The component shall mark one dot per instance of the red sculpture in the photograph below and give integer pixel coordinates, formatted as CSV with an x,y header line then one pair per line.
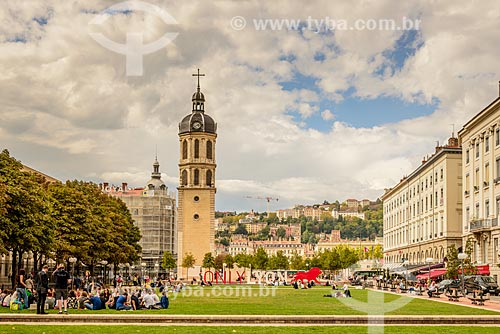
x,y
310,275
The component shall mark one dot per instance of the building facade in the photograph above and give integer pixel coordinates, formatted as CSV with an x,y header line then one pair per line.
x,y
196,191
153,211
423,212
480,139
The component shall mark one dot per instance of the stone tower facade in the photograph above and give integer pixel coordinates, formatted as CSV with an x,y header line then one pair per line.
x,y
196,191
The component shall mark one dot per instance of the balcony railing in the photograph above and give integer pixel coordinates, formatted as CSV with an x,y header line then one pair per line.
x,y
483,224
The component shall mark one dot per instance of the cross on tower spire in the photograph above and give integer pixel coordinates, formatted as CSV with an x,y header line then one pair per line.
x,y
198,75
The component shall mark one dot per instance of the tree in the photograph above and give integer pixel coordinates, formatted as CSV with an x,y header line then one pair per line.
x,y
26,222
469,268
281,232
241,229
296,262
278,261
188,262
168,262
208,261
219,261
243,260
453,263
260,259
229,261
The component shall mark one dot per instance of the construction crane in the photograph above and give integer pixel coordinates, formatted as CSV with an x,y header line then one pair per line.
x,y
267,198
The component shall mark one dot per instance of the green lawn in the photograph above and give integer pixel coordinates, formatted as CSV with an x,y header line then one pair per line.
x,y
288,301
91,329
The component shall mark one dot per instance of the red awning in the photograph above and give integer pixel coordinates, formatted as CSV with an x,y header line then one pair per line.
x,y
434,273
481,270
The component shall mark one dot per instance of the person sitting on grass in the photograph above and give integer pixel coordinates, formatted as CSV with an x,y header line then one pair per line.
x,y
82,300
94,303
122,302
72,300
164,302
151,300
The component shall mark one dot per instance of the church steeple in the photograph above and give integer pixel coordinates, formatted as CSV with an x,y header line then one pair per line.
x,y
198,97
156,170
156,183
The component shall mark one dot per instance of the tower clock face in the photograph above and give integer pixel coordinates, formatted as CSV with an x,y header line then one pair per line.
x,y
196,125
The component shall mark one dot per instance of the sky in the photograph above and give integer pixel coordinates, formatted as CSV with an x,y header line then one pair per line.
x,y
314,100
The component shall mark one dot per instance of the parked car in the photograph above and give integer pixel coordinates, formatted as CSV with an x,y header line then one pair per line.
x,y
487,284
448,284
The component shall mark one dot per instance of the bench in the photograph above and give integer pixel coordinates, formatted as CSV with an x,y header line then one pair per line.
x,y
436,294
454,295
478,298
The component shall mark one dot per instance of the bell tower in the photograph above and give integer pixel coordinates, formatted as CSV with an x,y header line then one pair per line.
x,y
196,191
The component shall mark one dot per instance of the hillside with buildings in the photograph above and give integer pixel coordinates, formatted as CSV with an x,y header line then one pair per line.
x,y
304,229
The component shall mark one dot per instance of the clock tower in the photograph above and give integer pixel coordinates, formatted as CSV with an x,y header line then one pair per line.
x,y
196,191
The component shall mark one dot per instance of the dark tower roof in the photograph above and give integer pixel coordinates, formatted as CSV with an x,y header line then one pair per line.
x,y
198,121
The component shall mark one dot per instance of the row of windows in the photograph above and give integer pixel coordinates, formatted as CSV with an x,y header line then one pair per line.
x,y
208,151
477,149
418,232
196,178
477,213
486,176
413,191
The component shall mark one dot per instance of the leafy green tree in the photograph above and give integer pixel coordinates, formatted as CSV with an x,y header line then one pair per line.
x,y
188,262
26,222
241,229
219,261
229,261
168,262
296,262
224,241
260,259
243,260
208,261
281,232
469,268
453,263
278,261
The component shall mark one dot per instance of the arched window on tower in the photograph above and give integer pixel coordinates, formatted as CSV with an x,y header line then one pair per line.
x,y
209,178
184,149
184,178
209,149
196,148
196,177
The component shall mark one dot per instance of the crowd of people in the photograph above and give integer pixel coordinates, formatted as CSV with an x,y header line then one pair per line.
x,y
67,292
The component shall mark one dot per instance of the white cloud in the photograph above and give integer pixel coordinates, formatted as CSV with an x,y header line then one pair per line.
x,y
69,109
327,115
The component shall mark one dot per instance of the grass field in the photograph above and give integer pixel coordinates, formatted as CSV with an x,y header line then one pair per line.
x,y
91,329
237,300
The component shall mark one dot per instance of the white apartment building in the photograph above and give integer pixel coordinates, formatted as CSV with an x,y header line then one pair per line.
x,y
423,212
480,140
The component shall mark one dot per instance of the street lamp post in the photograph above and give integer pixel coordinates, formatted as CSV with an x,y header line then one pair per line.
x,y
72,260
143,268
429,260
157,270
462,257
405,264
104,263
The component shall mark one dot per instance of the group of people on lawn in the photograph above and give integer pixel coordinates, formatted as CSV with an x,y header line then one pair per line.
x,y
92,297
